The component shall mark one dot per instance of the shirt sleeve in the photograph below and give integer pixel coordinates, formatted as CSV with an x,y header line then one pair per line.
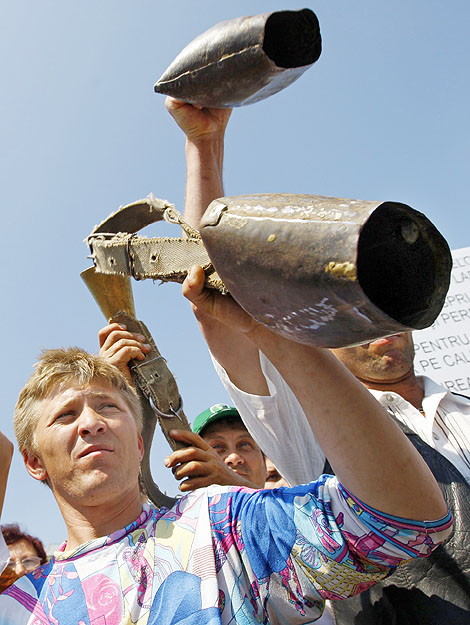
x,y
278,425
318,541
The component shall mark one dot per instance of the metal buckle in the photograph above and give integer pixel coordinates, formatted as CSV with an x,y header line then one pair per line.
x,y
173,412
103,236
130,256
108,236
140,365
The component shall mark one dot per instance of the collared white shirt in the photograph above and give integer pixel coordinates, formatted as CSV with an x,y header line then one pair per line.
x,y
445,425
279,426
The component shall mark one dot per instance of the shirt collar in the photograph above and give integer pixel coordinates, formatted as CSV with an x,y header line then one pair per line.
x,y
434,393
63,554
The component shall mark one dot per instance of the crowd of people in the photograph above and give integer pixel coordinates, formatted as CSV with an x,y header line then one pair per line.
x,y
337,477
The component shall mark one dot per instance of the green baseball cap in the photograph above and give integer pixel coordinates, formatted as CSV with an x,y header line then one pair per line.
x,y
214,413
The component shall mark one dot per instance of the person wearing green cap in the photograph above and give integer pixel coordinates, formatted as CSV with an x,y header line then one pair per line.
x,y
223,429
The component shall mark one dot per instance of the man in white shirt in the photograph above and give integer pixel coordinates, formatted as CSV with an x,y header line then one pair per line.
x,y
274,417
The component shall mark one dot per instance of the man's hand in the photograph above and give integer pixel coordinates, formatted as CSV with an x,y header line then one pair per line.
x,y
119,347
199,465
209,302
197,123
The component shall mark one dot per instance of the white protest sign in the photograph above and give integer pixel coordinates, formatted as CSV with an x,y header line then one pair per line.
x,y
443,350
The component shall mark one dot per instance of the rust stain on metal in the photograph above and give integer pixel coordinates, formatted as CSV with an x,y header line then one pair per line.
x,y
341,270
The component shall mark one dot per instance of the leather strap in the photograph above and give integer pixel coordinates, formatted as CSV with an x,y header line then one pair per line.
x,y
160,400
115,248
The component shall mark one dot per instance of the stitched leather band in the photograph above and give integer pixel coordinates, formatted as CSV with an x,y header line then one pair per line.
x,y
116,250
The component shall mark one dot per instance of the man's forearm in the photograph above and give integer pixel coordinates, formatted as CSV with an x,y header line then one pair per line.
x,y
205,131
204,181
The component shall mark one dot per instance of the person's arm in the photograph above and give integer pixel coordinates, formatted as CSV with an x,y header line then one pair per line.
x,y
369,454
205,131
6,453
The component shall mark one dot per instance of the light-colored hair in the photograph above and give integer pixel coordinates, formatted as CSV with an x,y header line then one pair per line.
x,y
56,369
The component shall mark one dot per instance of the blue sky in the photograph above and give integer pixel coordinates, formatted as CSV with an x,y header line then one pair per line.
x,y
383,115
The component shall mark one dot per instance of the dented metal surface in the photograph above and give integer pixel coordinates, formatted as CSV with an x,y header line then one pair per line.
x,y
244,60
328,271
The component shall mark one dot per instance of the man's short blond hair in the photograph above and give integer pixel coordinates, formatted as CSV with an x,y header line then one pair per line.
x,y
57,369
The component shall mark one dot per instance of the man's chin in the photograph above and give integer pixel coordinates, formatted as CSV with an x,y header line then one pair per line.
x,y
86,486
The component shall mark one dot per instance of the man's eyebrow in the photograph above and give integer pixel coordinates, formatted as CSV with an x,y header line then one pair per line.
x,y
246,435
94,394
102,395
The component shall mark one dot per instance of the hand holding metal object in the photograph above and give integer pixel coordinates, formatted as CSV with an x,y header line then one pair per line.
x,y
244,60
153,380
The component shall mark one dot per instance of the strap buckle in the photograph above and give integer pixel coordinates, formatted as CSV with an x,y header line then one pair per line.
x,y
172,413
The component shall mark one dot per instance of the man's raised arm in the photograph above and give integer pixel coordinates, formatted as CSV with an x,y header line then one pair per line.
x,y
205,131
369,454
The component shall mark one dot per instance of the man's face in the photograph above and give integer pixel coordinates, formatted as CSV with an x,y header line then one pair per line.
x,y
87,443
238,450
387,360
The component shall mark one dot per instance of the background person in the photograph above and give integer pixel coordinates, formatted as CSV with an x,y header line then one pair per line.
x,y
221,427
6,453
26,553
438,424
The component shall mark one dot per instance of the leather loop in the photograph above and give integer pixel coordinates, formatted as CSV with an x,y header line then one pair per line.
x,y
117,250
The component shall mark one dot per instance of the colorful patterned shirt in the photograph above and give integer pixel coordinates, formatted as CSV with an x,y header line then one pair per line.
x,y
224,555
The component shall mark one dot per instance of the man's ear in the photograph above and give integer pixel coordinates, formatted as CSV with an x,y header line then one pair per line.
x,y
34,466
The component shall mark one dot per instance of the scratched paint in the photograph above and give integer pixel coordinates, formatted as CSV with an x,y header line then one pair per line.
x,y
309,318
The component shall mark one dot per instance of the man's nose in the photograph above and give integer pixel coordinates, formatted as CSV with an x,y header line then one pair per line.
x,y
91,422
233,458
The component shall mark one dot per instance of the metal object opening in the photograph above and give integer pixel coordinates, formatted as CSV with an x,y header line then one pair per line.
x,y
403,264
292,38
